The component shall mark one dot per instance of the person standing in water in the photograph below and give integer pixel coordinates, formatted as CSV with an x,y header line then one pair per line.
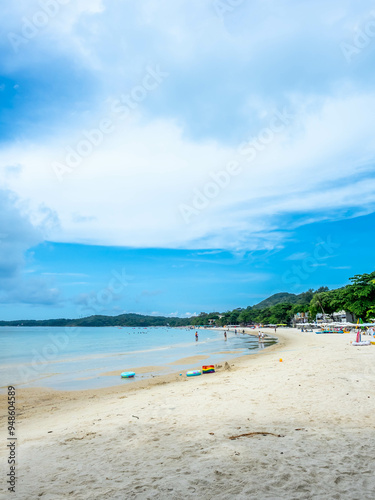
x,y
225,335
196,336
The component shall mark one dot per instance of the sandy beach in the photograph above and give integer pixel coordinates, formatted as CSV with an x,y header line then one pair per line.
x,y
307,426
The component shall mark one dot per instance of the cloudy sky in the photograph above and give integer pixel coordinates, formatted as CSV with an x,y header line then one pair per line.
x,y
172,157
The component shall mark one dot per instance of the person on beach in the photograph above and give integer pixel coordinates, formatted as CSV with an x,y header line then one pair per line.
x,y
196,336
225,335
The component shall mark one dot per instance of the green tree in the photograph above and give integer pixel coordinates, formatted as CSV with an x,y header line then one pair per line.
x,y
323,303
244,316
359,296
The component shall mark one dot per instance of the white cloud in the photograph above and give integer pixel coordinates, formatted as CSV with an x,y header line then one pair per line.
x,y
129,191
17,235
131,187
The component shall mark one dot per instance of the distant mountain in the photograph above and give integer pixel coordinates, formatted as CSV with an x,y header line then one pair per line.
x,y
277,298
130,319
287,298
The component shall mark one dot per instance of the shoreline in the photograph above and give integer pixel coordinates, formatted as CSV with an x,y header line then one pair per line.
x,y
153,371
36,395
306,424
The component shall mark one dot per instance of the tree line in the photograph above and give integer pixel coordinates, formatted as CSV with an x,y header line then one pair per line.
x,y
358,298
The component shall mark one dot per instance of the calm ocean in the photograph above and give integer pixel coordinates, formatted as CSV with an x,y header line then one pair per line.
x,y
78,358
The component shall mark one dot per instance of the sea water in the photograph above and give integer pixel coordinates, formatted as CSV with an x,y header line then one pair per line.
x,y
80,358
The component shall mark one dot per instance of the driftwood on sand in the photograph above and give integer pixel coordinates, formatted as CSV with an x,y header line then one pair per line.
x,y
251,434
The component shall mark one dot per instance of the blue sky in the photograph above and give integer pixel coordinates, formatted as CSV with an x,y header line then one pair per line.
x,y
212,154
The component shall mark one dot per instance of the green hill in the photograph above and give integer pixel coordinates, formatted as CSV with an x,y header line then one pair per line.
x,y
98,320
277,298
289,298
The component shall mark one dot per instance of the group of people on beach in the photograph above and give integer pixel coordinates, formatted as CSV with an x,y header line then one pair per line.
x,y
260,335
196,336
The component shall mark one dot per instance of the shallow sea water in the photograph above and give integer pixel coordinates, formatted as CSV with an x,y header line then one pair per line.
x,y
76,358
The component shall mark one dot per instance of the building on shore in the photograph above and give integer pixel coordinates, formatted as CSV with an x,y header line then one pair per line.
x,y
336,317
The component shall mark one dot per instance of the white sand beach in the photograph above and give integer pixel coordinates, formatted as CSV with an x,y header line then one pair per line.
x,y
309,422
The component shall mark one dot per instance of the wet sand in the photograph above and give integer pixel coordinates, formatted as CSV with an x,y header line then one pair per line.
x,y
191,360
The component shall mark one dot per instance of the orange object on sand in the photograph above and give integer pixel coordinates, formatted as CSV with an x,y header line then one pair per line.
x,y
280,360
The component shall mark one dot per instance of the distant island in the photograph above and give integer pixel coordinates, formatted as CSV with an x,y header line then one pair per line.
x,y
357,298
130,319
